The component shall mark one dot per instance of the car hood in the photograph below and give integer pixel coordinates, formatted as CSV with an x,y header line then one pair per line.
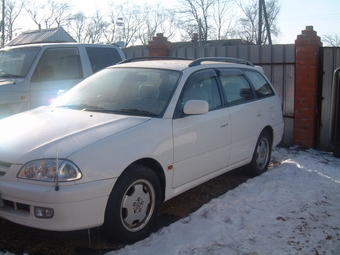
x,y
38,133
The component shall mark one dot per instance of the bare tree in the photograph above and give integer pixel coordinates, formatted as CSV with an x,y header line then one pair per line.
x,y
196,16
77,26
95,28
50,14
332,40
133,20
223,17
168,26
115,22
157,20
33,8
248,25
12,12
62,13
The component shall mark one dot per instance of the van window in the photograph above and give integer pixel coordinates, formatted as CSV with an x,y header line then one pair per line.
x,y
236,88
101,57
58,64
16,62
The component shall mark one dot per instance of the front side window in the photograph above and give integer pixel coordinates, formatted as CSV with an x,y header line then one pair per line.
x,y
58,64
132,91
16,62
201,85
261,85
236,88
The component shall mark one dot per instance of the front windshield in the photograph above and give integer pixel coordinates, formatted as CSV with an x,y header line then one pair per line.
x,y
135,91
16,62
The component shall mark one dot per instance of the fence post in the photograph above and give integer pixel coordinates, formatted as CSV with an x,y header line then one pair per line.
x,y
307,53
159,46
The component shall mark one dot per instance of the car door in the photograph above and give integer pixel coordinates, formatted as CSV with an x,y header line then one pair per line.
x,y
201,142
246,116
58,69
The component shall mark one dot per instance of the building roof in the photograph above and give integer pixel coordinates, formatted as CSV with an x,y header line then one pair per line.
x,y
42,36
213,43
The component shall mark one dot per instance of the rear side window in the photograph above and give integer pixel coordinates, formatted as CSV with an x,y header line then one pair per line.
x,y
101,57
58,64
261,85
236,88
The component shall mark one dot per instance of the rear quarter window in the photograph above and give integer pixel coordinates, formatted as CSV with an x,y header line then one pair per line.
x,y
101,57
261,85
236,88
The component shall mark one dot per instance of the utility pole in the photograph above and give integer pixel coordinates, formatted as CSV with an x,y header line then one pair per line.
x,y
259,38
199,32
262,6
3,25
267,23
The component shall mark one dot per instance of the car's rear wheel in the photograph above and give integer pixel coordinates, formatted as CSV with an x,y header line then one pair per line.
x,y
133,205
261,155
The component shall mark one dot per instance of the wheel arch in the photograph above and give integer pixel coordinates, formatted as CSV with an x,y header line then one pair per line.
x,y
270,131
156,167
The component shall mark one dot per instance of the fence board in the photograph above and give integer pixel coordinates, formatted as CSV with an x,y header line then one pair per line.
x,y
331,61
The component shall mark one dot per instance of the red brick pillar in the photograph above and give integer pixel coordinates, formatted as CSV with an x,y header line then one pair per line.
x,y
159,46
307,49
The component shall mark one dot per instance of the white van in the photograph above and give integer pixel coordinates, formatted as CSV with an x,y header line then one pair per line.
x,y
33,75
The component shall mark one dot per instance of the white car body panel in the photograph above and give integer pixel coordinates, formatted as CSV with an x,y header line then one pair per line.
x,y
66,129
197,138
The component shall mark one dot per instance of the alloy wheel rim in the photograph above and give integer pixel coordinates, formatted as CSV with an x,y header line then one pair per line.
x,y
262,153
137,206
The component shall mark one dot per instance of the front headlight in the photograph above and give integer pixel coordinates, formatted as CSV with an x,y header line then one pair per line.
x,y
45,170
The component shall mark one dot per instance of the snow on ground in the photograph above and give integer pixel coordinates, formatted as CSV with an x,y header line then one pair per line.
x,y
291,209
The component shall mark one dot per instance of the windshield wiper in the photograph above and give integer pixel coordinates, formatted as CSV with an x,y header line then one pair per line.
x,y
139,111
94,108
83,107
10,76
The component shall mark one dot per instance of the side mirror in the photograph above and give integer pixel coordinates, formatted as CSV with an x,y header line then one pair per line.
x,y
194,107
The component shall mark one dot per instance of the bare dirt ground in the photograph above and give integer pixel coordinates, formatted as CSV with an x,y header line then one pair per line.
x,y
18,239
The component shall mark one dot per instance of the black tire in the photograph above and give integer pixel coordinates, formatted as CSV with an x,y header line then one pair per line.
x,y
133,205
261,156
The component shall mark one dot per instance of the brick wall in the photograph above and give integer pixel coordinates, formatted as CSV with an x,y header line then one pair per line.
x,y
159,46
307,47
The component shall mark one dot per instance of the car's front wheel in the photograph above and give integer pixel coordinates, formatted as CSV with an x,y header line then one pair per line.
x,y
261,155
133,205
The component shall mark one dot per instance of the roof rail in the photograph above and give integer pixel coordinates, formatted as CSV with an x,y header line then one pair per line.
x,y
199,61
129,60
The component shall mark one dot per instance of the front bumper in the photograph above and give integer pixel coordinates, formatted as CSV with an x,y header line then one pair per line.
x,y
78,206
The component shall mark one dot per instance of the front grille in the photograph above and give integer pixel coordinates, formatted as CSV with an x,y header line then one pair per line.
x,y
17,206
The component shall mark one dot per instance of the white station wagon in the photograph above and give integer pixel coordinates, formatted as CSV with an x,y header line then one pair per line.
x,y
114,147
